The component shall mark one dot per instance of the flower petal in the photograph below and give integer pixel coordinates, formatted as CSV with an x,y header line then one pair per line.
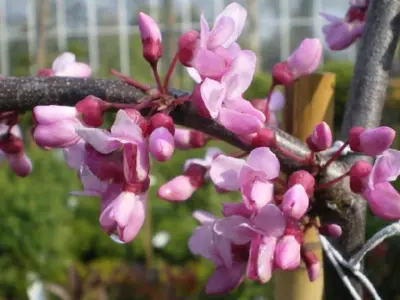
x,y
136,221
238,122
386,167
213,94
277,101
100,139
225,279
125,127
62,61
264,160
270,220
384,201
194,74
209,64
221,32
224,172
204,217
265,262
262,193
235,228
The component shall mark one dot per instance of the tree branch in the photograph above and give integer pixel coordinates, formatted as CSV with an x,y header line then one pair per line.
x,y
364,108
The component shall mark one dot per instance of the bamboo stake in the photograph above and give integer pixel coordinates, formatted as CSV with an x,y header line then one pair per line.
x,y
309,102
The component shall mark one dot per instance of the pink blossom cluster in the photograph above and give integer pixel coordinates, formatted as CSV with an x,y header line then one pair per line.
x,y
340,33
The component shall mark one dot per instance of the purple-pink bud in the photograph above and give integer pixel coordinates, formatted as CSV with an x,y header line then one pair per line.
x,y
264,138
11,144
321,138
295,202
332,230
178,189
161,120
20,163
161,144
188,139
187,46
151,38
281,74
303,178
45,72
375,141
287,253
196,173
260,104
354,138
359,172
57,135
305,59
92,109
312,263
198,102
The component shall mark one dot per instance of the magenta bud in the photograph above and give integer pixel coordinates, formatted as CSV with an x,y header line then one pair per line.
x,y
45,72
332,230
321,138
197,139
260,104
305,59
20,163
161,120
198,102
281,74
303,178
187,46
161,144
11,144
49,114
196,173
295,202
375,141
178,189
354,138
312,263
57,135
287,253
151,38
264,138
92,109
138,119
359,172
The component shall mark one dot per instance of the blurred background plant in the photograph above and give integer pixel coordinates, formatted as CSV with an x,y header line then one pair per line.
x,y
47,234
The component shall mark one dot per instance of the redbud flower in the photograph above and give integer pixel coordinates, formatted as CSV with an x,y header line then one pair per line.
x,y
187,45
188,139
287,253
359,173
161,120
161,144
65,65
151,38
332,230
91,109
303,178
303,61
321,138
371,141
295,202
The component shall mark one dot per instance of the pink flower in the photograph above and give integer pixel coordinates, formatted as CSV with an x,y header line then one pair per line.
x,y
125,134
217,47
321,137
187,139
92,186
183,186
295,202
341,33
382,197
213,240
253,177
161,144
303,61
223,100
66,65
56,126
287,253
151,38
124,213
371,141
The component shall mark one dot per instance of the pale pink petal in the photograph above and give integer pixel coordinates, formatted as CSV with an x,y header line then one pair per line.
x,y
48,114
100,139
384,201
142,162
148,28
376,141
225,279
125,205
224,172
262,193
211,154
75,155
240,74
287,253
76,69
234,49
125,127
57,135
306,58
92,186
179,188
243,106
238,15
239,209
265,261
209,64
239,123
264,160
295,202
194,74
221,32
204,217
136,221
161,144
235,228
270,220
62,61
277,101
204,31
213,94
251,270
386,167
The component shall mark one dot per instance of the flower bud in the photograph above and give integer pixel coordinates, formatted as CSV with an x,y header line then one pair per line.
x,y
375,141
303,178
354,138
20,163
332,230
11,144
264,138
92,109
321,138
45,72
161,144
312,263
48,114
151,38
281,74
178,189
359,172
57,135
161,120
295,202
187,46
287,253
305,59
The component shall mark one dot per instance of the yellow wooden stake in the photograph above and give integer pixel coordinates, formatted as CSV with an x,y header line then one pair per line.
x,y
309,101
